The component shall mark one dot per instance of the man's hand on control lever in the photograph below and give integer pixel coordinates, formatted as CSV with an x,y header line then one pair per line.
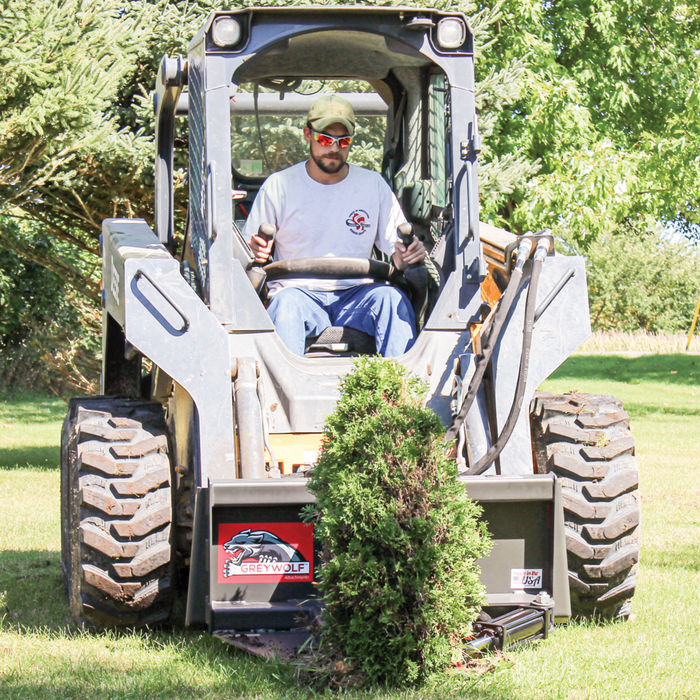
x,y
409,250
261,243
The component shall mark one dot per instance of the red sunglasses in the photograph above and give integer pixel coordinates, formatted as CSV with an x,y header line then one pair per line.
x,y
328,140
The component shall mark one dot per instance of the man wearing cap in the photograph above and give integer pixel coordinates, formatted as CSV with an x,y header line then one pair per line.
x,y
325,207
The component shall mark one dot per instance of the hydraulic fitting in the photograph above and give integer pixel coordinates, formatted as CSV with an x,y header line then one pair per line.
x,y
542,249
523,253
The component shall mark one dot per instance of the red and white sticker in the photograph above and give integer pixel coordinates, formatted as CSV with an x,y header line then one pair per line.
x,y
265,552
525,578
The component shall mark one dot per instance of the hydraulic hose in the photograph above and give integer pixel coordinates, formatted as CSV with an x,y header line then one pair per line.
x,y
489,342
530,309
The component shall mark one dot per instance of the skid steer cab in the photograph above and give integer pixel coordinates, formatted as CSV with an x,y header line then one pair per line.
x,y
188,472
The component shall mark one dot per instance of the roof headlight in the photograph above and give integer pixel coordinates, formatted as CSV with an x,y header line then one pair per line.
x,y
451,32
226,32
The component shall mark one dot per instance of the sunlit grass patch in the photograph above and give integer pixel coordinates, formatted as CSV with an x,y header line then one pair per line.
x,y
28,431
30,519
68,664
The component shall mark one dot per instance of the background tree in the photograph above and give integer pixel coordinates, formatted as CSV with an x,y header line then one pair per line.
x,y
607,109
61,66
639,279
49,333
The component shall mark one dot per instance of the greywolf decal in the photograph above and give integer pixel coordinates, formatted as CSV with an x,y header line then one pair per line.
x,y
262,552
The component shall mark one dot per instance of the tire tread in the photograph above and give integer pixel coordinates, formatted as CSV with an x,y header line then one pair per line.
x,y
116,500
586,441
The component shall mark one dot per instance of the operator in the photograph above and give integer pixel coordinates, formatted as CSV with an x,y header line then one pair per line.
x,y
325,207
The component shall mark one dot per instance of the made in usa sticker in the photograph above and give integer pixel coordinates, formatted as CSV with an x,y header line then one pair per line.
x,y
525,578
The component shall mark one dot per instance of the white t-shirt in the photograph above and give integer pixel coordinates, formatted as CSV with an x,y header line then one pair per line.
x,y
345,219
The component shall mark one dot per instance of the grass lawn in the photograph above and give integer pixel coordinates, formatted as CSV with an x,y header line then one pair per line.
x,y
654,655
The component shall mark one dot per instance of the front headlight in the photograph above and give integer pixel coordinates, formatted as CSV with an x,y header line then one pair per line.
x,y
226,32
451,32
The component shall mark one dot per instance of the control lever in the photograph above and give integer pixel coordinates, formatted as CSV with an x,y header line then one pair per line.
x,y
266,231
254,271
406,237
416,275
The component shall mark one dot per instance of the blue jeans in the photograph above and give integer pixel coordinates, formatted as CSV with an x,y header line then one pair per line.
x,y
382,311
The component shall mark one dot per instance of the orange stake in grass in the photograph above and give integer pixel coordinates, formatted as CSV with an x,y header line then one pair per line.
x,y
692,325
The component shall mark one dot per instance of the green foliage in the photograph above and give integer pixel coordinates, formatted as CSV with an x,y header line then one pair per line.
x,y
75,147
61,64
639,280
399,534
607,109
111,170
48,333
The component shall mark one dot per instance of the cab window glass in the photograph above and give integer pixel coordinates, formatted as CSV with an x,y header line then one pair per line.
x,y
274,139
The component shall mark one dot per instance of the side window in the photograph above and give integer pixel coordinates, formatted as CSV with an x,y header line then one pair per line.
x,y
437,134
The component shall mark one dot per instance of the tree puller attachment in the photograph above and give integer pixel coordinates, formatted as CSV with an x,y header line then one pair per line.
x,y
188,473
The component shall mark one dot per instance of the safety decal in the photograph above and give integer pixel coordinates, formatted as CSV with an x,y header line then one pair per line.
x,y
525,578
265,552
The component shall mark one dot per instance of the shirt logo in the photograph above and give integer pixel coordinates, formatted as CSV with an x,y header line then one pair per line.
x,y
358,222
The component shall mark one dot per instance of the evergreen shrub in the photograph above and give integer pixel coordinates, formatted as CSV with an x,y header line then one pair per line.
x,y
399,535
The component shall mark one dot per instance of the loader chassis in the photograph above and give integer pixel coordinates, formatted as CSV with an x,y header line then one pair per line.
x,y
227,515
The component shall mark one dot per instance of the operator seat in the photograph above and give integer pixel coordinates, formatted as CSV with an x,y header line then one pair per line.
x,y
343,341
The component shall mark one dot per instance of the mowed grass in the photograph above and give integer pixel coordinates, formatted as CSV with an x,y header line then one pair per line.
x,y
654,655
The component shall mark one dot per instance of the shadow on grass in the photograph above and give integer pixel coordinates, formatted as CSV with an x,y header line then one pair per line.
x,y
686,557
655,410
34,594
45,457
678,369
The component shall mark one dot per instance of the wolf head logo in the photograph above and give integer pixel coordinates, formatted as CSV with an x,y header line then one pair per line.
x,y
261,546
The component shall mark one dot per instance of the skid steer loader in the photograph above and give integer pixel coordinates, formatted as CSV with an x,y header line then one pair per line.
x,y
189,471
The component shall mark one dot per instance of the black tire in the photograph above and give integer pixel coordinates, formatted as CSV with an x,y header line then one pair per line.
x,y
586,441
116,513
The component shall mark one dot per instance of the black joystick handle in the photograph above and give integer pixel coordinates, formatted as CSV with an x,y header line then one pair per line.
x,y
405,232
416,275
266,231
406,236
